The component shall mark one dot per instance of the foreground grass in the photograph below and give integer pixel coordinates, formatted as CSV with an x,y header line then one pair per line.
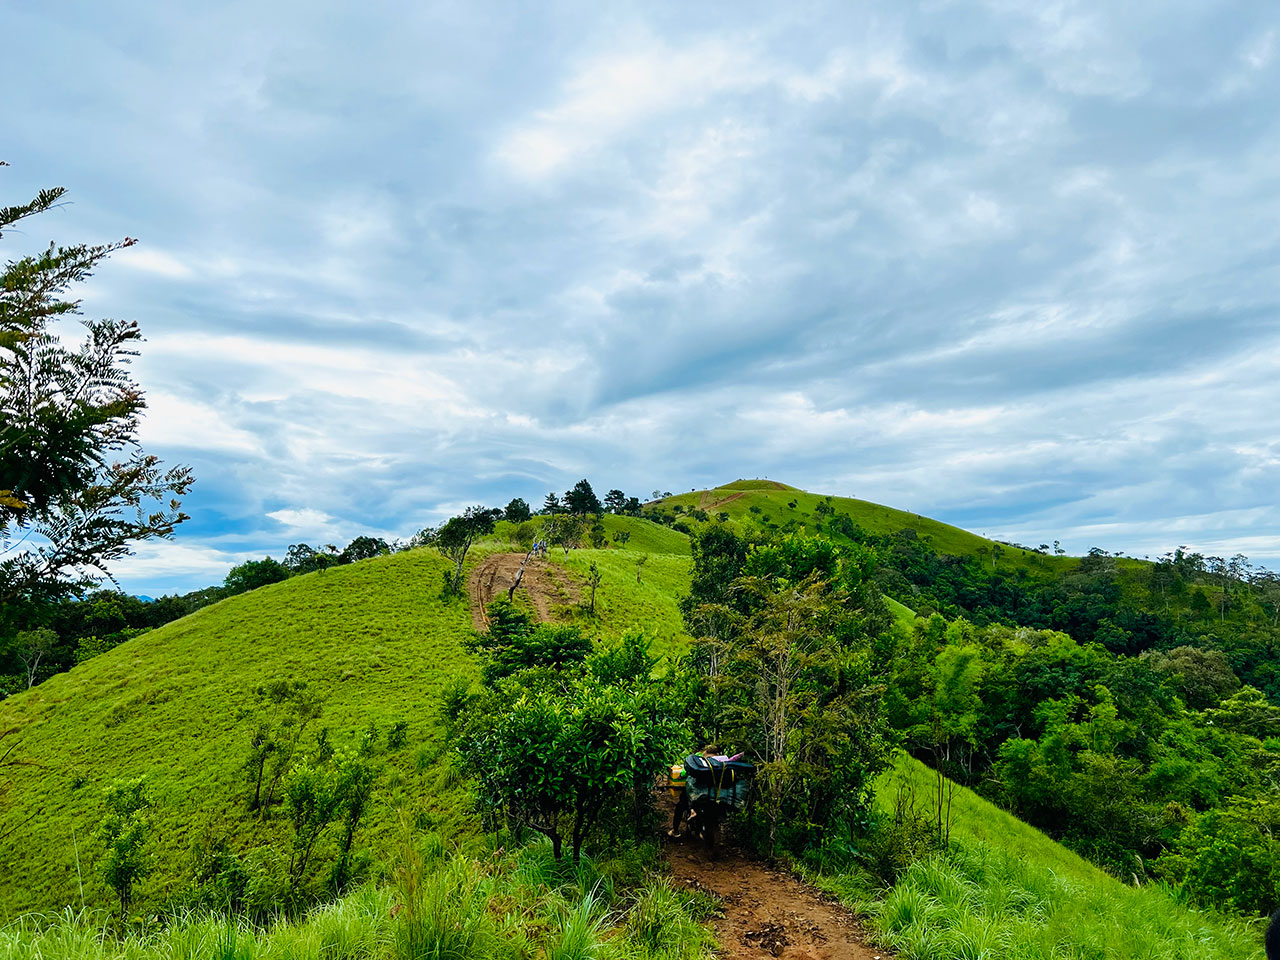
x,y
374,637
509,905
1005,891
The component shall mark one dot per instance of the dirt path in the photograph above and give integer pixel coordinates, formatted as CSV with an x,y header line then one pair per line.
x,y
544,585
767,912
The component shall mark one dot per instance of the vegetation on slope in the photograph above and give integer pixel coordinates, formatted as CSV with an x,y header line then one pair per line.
x,y
508,905
1004,891
177,705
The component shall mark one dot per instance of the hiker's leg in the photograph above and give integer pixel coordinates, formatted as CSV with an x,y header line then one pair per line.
x,y
682,810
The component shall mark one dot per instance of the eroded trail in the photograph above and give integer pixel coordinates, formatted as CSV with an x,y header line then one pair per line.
x,y
545,585
767,912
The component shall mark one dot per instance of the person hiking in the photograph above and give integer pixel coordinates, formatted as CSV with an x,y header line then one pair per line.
x,y
678,785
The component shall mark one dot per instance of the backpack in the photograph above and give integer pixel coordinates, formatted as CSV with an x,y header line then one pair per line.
x,y
725,781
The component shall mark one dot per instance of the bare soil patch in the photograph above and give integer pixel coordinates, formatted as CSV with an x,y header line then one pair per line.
x,y
767,912
544,586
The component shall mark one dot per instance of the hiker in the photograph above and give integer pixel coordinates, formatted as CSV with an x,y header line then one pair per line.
x,y
678,785
1273,937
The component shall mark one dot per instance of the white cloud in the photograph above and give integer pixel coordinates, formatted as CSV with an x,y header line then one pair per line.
x,y
304,518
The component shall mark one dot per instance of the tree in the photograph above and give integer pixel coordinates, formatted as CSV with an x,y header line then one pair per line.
x,y
593,581
632,507
363,548
615,501
622,538
551,505
558,758
598,535
72,472
517,511
124,832
582,500
566,532
32,647
253,574
455,538
304,558
285,709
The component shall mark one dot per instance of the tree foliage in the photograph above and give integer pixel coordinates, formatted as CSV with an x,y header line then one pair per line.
x,y
76,489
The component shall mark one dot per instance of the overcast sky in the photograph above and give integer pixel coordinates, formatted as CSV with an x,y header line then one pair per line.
x,y
1012,265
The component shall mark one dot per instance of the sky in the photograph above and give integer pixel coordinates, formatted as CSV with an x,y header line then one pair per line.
x,y
1014,266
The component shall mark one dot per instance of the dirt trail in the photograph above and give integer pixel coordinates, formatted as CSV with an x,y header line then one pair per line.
x,y
544,585
767,912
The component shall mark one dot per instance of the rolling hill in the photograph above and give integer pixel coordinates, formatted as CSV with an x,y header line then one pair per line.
x,y
375,637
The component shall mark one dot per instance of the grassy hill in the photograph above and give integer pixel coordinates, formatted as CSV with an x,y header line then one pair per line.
x,y
757,501
176,705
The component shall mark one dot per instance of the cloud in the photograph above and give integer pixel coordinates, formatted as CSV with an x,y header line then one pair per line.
x,y
1012,267
304,518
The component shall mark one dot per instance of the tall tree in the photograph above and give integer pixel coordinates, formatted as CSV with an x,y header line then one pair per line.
x,y
517,510
72,472
551,505
615,501
582,499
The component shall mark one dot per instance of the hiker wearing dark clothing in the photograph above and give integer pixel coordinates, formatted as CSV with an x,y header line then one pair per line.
x,y
1273,937
678,785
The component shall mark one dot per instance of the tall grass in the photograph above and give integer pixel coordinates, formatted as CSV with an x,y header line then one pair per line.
x,y
976,902
441,907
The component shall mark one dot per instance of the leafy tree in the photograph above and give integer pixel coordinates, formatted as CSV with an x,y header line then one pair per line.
x,y
76,490
622,538
32,649
517,511
513,642
253,574
787,631
364,548
582,500
615,501
124,832
285,709
632,508
355,776
566,532
303,558
455,538
597,534
559,758
551,505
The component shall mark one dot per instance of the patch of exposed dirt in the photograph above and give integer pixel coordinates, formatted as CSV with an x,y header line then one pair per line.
x,y
544,586
716,505
767,912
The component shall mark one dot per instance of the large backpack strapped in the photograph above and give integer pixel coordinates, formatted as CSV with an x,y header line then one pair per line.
x,y
724,781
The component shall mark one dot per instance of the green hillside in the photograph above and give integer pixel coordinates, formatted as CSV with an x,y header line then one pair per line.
x,y
759,501
174,704
1006,891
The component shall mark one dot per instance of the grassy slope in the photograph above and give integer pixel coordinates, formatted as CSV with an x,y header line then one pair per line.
x,y
621,603
374,636
1007,892
774,499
